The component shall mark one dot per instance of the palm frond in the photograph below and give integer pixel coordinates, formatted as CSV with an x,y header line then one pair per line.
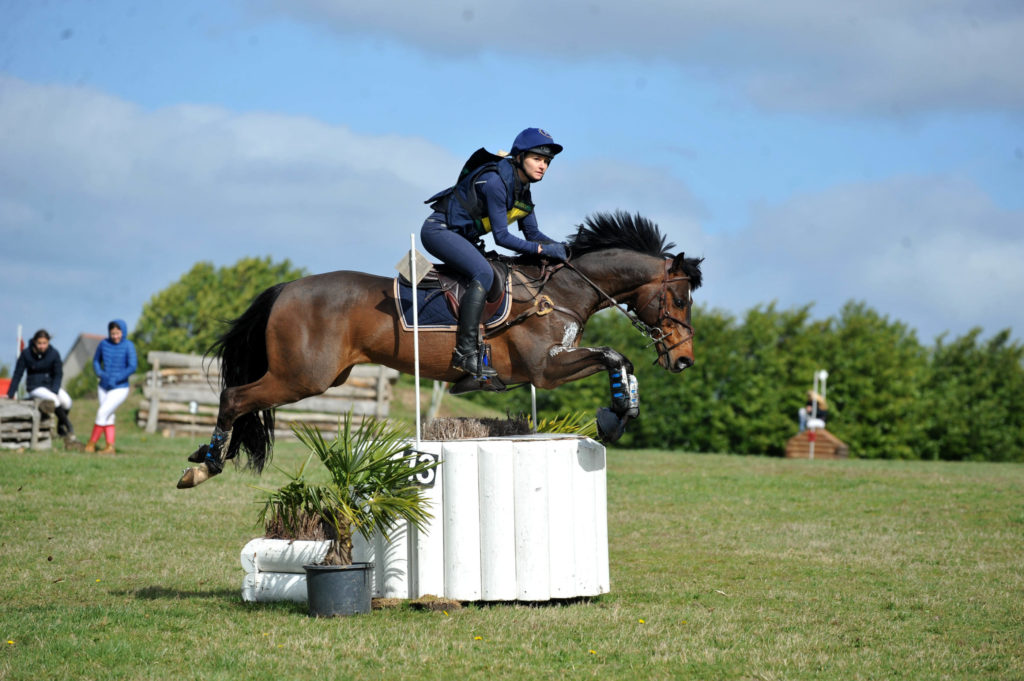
x,y
575,423
371,487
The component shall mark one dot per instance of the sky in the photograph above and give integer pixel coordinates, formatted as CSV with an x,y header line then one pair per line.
x,y
812,152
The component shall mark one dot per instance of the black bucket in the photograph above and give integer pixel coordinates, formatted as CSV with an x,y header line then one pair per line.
x,y
339,590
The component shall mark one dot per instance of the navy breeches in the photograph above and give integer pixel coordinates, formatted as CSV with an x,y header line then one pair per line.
x,y
454,249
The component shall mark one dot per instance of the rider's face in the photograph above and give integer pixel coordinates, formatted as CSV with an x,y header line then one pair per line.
x,y
534,166
116,335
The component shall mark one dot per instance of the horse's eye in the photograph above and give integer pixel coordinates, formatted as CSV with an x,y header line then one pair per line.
x,y
680,302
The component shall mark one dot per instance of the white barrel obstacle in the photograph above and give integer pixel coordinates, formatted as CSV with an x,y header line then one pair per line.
x,y
515,519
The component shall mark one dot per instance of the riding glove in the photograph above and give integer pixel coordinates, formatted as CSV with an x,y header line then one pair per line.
x,y
554,250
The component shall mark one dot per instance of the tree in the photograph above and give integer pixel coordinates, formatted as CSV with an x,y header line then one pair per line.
x,y
976,399
878,368
889,396
686,411
189,315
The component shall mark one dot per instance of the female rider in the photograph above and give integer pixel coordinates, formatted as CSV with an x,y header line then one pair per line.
x,y
487,199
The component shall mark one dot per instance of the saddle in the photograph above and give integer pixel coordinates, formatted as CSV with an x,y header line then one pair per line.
x,y
444,283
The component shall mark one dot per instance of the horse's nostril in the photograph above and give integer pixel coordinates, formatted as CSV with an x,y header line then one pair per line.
x,y
684,363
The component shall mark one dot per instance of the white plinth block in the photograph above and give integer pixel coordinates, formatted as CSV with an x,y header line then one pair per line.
x,y
521,518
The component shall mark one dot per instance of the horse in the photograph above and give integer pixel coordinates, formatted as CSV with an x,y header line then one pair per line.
x,y
299,338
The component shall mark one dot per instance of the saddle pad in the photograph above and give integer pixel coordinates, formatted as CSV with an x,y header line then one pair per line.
x,y
433,310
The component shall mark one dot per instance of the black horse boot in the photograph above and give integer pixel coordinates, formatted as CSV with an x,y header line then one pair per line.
x,y
467,342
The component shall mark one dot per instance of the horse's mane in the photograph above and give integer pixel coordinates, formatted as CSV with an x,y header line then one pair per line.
x,y
601,231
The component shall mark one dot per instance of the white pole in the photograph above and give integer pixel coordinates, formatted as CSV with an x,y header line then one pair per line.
x,y
415,331
533,399
812,435
814,401
17,355
820,388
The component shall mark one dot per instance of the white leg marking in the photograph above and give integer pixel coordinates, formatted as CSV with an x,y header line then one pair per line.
x,y
568,339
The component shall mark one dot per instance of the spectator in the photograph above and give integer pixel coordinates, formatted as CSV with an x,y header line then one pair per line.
x,y
808,417
44,372
114,362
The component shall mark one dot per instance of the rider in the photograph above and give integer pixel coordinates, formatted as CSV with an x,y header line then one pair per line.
x,y
487,199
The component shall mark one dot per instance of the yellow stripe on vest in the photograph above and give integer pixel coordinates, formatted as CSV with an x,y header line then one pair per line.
x,y
519,211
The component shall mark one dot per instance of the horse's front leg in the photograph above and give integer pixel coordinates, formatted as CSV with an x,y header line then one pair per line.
x,y
565,364
625,400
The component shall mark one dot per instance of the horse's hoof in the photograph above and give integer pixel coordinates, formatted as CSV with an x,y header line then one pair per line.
x,y
194,476
609,426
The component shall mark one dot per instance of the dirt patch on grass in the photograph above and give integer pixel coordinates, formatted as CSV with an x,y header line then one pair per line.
x,y
431,602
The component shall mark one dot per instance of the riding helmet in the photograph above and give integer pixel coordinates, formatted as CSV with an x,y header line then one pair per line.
x,y
537,141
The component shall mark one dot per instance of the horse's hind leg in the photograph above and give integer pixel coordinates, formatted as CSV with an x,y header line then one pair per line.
x,y
266,393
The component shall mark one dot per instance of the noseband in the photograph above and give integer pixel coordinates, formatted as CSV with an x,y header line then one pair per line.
x,y
656,333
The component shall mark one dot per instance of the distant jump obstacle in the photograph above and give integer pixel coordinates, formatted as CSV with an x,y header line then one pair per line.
x,y
826,445
816,442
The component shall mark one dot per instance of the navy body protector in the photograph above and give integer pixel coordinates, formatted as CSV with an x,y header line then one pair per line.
x,y
462,206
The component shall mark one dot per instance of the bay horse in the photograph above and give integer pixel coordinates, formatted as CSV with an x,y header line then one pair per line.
x,y
299,338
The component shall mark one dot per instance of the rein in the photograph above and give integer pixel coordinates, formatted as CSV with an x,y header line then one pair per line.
x,y
543,305
655,334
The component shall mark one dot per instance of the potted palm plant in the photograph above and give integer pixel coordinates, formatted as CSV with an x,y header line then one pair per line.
x,y
370,487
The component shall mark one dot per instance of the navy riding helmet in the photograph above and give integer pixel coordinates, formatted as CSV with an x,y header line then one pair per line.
x,y
537,141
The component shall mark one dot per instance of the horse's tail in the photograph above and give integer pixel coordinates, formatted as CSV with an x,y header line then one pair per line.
x,y
242,351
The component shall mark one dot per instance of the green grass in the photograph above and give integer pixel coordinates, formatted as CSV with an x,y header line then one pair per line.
x,y
722,568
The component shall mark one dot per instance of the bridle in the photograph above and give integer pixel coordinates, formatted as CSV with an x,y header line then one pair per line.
x,y
656,334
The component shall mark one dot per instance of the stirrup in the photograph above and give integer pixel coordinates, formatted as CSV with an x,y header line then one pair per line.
x,y
472,365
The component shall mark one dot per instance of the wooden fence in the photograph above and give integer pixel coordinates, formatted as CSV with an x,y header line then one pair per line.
x,y
24,426
182,395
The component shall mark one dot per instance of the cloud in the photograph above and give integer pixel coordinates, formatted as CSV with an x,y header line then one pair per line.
x,y
88,163
573,191
844,56
103,203
933,252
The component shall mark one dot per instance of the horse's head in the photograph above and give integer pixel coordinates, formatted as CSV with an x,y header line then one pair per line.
x,y
664,305
661,284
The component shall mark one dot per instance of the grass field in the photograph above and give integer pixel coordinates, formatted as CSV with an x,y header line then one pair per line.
x,y
722,567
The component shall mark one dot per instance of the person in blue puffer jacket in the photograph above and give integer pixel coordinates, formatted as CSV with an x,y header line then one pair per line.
x,y
114,363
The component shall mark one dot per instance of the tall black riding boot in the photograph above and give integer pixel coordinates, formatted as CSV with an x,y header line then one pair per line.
x,y
467,342
64,424
66,430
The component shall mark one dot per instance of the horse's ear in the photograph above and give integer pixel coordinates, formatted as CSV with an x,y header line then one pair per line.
x,y
678,263
690,267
